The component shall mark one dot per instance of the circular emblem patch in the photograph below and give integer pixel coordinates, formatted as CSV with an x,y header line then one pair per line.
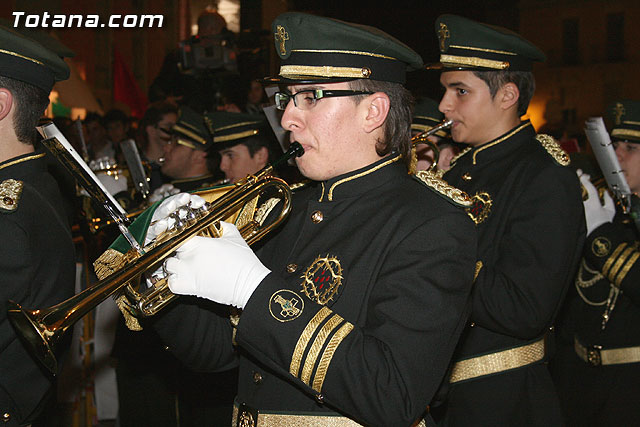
x,y
285,305
481,207
322,280
601,246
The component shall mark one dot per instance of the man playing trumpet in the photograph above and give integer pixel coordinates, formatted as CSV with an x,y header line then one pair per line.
x,y
350,313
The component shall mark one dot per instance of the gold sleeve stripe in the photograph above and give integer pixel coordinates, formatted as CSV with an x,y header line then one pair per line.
x,y
618,264
612,258
327,355
318,343
303,341
626,268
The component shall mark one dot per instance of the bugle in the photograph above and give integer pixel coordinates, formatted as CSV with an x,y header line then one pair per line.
x,y
41,329
423,138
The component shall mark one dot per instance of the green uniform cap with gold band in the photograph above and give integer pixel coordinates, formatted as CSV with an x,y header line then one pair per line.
x,y
193,130
231,128
315,49
466,44
625,117
26,60
426,115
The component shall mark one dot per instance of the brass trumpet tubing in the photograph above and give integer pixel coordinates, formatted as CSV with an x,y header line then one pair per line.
x,y
423,138
42,329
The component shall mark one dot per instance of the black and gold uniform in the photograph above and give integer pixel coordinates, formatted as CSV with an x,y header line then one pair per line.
x,y
528,214
37,260
361,311
38,270
598,363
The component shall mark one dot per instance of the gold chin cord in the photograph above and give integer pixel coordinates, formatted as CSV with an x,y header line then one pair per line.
x,y
41,329
423,138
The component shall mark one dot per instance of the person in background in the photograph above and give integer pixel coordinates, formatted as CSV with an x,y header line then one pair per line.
x,y
96,137
154,133
597,366
208,85
244,142
190,162
528,213
37,257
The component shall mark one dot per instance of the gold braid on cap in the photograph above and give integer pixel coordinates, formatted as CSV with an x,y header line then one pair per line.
x,y
471,61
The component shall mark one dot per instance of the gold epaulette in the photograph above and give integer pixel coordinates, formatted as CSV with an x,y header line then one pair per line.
x,y
10,192
440,186
554,149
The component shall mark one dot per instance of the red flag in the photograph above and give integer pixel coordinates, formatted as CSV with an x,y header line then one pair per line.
x,y
125,87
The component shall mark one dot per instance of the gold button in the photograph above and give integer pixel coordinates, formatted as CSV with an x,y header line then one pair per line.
x,y
317,217
472,324
467,177
291,268
166,347
257,378
6,417
319,398
366,72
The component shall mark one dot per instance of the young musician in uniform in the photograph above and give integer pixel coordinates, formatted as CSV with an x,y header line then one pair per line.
x,y
351,311
528,214
37,258
598,362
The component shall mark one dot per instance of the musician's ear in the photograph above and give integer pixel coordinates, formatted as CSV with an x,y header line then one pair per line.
x,y
6,102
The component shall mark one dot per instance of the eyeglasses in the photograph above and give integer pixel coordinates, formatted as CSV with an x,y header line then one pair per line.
x,y
306,99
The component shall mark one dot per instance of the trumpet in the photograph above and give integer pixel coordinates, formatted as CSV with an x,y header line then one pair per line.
x,y
41,329
423,138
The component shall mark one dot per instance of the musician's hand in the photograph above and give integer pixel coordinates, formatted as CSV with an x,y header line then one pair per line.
x,y
165,190
595,213
224,270
164,216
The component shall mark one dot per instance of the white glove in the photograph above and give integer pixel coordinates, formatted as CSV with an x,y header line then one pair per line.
x,y
165,190
595,213
224,270
113,183
162,219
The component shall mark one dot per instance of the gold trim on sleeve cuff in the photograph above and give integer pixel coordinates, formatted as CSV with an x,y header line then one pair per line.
x,y
328,353
612,259
317,345
623,273
305,337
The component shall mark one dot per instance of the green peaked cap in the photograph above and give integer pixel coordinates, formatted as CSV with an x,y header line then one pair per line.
x,y
26,60
466,44
318,49
625,117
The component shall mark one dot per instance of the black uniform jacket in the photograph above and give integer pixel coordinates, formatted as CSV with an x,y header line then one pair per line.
x,y
36,270
368,293
607,284
530,223
611,253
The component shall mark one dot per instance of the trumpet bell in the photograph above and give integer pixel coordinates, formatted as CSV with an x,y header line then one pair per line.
x,y
32,335
42,329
